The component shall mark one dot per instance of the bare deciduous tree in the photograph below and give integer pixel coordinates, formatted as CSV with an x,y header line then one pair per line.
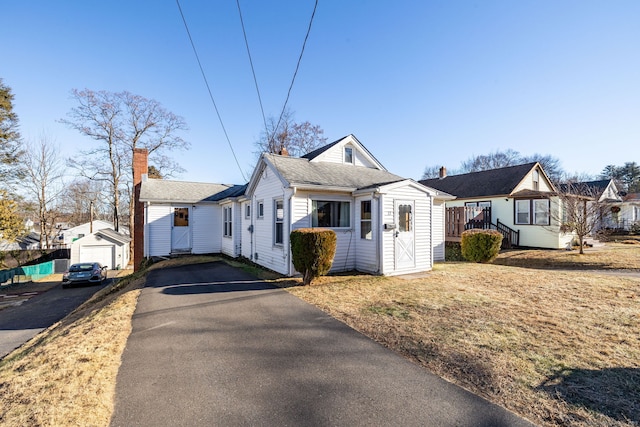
x,y
44,173
577,210
296,138
122,122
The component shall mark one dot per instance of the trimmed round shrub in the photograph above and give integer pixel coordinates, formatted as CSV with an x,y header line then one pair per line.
x,y
312,251
480,245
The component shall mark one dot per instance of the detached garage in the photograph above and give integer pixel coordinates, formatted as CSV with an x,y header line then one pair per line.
x,y
105,246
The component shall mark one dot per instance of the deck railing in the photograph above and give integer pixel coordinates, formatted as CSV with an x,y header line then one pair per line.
x,y
461,218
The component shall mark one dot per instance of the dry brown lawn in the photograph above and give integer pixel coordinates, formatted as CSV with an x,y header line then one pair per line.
x,y
557,347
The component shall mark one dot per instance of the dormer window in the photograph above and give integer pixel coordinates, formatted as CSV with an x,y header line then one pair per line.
x,y
348,155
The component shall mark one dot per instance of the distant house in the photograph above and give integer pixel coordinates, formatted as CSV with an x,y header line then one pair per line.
x,y
517,200
385,224
105,246
69,235
613,212
30,241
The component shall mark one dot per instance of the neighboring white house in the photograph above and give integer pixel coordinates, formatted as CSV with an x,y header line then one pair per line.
x,y
69,235
385,224
520,200
105,246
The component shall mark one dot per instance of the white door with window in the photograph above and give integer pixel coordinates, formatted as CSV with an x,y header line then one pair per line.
x,y
405,242
180,230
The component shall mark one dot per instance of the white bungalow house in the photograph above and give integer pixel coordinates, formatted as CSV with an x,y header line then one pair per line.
x,y
517,200
67,236
386,224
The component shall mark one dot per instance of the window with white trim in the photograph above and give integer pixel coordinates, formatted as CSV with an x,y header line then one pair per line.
x,y
532,212
260,209
278,215
536,180
330,213
348,155
247,211
366,231
227,221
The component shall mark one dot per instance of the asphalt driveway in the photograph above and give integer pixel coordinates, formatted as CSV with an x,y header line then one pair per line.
x,y
21,322
211,345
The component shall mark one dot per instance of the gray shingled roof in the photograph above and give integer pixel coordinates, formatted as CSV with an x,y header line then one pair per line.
x,y
114,235
494,182
160,190
301,172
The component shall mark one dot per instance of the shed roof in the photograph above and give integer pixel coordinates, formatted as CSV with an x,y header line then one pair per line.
x,y
493,182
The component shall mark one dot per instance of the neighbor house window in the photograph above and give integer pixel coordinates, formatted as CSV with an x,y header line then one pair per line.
x,y
278,207
330,214
348,155
534,212
541,212
247,211
536,180
365,220
260,209
227,222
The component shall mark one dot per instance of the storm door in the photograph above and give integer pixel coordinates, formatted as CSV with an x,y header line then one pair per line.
x,y
404,235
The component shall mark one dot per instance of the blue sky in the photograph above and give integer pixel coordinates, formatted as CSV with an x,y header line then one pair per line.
x,y
419,83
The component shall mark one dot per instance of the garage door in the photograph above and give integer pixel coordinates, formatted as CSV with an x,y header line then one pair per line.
x,y
101,254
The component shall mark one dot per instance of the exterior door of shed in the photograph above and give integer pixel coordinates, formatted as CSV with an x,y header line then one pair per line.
x,y
180,230
405,234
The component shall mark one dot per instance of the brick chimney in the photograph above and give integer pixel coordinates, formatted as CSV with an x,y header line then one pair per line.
x,y
443,172
283,151
140,168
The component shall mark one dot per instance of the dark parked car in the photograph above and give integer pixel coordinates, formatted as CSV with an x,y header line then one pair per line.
x,y
84,272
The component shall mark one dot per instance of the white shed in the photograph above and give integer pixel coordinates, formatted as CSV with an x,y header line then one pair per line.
x,y
104,246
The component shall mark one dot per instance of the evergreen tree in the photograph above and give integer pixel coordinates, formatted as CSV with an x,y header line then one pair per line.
x,y
10,142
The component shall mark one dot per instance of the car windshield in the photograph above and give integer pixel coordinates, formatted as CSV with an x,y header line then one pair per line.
x,y
80,267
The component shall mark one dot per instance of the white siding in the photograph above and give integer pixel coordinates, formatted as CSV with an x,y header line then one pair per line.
x,y
335,154
231,245
246,235
366,250
206,229
422,227
158,230
119,250
527,182
346,245
265,252
437,227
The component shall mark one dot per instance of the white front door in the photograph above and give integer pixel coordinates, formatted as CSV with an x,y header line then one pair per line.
x,y
404,234
180,230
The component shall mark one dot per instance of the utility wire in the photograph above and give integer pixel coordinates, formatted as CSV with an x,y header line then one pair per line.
x,y
297,66
253,71
206,82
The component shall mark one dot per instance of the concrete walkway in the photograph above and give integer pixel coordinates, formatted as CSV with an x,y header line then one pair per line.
x,y
212,345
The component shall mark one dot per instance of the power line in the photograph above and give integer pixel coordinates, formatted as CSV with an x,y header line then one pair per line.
x,y
255,80
209,89
297,66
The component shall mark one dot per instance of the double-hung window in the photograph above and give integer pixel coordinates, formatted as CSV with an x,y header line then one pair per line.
x,y
348,155
260,209
532,212
328,213
278,215
227,221
365,220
